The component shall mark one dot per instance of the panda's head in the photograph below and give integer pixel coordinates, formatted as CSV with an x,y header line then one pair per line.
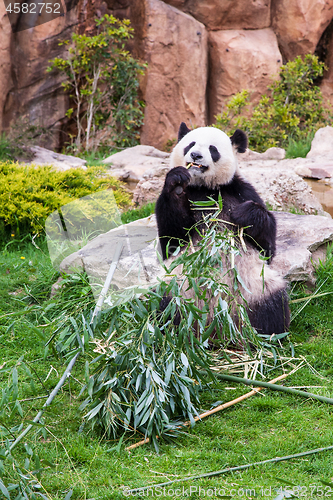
x,y
209,154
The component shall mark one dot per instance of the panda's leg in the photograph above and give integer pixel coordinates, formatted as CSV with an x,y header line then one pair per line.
x,y
271,315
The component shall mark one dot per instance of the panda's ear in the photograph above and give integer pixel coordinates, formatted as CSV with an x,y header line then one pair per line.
x,y
183,130
239,141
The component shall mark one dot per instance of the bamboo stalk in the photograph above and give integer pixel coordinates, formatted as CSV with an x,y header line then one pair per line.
x,y
108,280
270,385
215,410
227,469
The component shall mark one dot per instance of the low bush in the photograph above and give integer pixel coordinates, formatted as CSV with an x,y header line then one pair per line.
x,y
29,194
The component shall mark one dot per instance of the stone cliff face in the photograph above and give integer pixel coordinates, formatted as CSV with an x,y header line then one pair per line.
x,y
199,53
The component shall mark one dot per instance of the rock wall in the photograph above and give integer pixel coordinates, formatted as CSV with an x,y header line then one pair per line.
x,y
199,54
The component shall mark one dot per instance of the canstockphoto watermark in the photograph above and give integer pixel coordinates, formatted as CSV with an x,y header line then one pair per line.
x,y
187,492
299,491
26,14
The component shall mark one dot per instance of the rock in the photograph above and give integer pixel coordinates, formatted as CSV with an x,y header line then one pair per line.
x,y
279,185
269,154
240,60
138,264
309,171
299,24
275,180
299,238
147,190
131,164
5,59
322,144
58,161
175,47
217,15
33,92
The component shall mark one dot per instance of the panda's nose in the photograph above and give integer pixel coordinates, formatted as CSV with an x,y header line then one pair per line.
x,y
196,156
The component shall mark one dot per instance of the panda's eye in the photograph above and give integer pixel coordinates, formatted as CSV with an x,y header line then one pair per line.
x,y
214,153
190,146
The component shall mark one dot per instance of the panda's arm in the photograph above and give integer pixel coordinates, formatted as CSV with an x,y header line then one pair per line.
x,y
173,211
252,214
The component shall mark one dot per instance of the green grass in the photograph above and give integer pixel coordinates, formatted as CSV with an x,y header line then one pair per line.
x,y
138,213
299,149
265,426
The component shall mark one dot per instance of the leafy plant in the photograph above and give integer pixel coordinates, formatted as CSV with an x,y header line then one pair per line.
x,y
28,194
102,81
291,111
150,367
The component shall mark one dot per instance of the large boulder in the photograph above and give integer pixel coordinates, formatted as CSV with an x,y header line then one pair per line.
x,y
240,59
131,164
217,15
299,24
33,92
175,48
300,240
5,61
278,181
45,157
280,186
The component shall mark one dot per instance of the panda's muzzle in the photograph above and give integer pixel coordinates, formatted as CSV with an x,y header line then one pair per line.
x,y
194,165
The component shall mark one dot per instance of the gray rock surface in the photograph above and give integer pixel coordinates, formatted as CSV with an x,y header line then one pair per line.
x,y
132,163
56,160
274,178
300,239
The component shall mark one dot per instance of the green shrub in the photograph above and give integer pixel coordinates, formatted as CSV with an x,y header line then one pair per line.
x,y
29,194
291,110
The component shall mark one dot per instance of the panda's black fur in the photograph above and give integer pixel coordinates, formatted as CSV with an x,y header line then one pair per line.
x,y
214,171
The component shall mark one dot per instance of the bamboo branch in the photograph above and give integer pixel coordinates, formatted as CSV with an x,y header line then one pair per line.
x,y
47,403
215,410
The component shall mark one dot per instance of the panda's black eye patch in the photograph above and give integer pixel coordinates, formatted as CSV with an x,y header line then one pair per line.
x,y
214,153
190,146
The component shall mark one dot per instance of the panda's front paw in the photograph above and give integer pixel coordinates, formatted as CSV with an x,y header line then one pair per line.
x,y
177,179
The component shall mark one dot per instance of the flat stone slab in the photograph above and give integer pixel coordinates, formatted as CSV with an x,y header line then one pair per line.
x,y
56,160
321,170
300,238
131,164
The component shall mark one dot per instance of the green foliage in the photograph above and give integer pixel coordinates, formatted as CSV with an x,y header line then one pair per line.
x,y
299,149
28,194
56,459
102,81
291,110
6,152
138,213
149,372
312,310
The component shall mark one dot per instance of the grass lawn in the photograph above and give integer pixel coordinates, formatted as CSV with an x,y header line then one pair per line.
x,y
70,462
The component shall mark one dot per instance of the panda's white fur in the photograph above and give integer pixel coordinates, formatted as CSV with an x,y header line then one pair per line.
x,y
209,157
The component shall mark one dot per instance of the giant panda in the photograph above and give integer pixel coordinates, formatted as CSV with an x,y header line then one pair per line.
x,y
204,164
